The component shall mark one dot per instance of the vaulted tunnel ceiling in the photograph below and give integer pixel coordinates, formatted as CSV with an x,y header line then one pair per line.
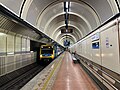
x,y
48,15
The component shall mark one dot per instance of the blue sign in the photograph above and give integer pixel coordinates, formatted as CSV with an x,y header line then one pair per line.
x,y
66,43
95,45
95,37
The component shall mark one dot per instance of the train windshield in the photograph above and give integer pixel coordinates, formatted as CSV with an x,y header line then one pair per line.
x,y
47,50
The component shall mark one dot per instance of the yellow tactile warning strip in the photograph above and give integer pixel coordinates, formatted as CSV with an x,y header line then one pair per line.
x,y
46,81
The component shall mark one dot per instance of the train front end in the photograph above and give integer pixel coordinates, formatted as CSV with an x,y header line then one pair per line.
x,y
46,53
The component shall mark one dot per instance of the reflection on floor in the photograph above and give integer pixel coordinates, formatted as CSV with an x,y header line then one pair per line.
x,y
72,77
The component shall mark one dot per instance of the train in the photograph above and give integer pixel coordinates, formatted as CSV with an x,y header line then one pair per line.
x,y
99,53
49,52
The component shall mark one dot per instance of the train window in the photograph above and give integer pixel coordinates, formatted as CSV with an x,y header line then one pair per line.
x,y
47,51
95,45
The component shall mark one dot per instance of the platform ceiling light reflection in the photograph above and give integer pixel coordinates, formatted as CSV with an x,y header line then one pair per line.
x,y
10,53
98,55
102,55
2,34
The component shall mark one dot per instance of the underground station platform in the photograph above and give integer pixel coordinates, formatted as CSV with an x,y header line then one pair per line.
x,y
62,74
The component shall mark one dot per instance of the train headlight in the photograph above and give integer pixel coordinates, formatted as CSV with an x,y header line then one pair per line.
x,y
52,56
40,56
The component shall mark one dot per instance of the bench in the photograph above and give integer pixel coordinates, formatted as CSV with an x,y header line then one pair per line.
x,y
74,59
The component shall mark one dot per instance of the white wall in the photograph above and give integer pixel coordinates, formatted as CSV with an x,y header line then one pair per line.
x,y
110,49
2,43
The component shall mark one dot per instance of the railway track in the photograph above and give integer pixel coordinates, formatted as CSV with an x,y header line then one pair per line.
x,y
17,79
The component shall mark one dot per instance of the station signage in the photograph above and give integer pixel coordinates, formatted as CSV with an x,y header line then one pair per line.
x,y
95,37
66,30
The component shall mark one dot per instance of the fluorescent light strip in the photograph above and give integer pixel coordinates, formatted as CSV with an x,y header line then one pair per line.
x,y
66,5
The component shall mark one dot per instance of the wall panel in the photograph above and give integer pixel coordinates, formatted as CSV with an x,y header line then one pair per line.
x,y
18,44
10,44
2,43
110,49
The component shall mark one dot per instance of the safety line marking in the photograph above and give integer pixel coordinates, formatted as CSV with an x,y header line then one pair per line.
x,y
51,74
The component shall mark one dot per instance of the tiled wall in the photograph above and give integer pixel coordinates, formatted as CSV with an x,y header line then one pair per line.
x,y
14,52
14,62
